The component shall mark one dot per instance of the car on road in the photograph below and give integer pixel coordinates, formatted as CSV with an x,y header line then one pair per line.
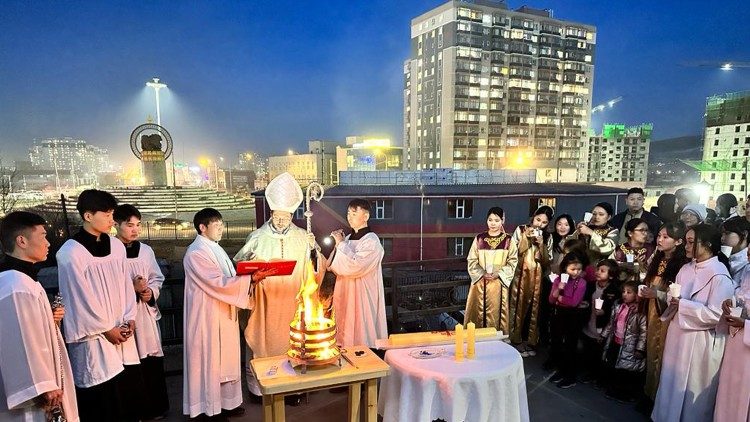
x,y
170,223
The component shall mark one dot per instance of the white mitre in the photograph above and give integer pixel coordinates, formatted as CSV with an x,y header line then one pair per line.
x,y
283,193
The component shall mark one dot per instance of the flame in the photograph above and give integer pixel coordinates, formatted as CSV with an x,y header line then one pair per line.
x,y
312,335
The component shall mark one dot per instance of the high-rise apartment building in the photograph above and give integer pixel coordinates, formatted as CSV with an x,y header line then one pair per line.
x,y
487,87
726,144
68,154
619,154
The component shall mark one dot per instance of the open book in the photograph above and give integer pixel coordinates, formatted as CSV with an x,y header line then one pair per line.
x,y
282,266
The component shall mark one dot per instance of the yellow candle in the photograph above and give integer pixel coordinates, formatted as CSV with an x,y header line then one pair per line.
x,y
459,342
471,340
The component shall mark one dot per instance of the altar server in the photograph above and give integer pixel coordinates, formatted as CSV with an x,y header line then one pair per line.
x,y
275,299
358,296
147,280
213,292
100,319
36,379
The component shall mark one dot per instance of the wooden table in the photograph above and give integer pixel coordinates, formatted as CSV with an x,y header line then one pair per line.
x,y
359,364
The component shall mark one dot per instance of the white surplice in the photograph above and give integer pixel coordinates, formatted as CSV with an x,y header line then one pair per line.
x,y
211,357
98,295
147,335
733,396
33,359
693,350
358,298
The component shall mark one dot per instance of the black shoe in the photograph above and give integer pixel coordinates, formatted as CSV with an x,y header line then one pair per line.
x,y
237,411
566,383
293,400
557,377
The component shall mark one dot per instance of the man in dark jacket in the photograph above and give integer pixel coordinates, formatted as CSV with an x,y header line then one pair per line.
x,y
635,209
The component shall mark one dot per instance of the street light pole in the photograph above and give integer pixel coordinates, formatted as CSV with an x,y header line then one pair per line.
x,y
156,85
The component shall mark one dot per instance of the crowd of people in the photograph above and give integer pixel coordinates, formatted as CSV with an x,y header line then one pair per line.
x,y
645,305
95,353
650,306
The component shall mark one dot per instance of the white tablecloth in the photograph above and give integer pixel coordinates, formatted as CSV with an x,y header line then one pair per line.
x,y
491,387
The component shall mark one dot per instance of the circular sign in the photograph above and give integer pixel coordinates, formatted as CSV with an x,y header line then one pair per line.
x,y
150,137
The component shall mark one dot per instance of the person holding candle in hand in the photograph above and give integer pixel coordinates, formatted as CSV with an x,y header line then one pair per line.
x,y
636,252
693,350
566,297
665,264
534,253
601,296
491,262
733,396
600,237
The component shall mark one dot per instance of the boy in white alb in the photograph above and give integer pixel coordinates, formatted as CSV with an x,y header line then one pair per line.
x,y
36,380
213,292
147,280
100,318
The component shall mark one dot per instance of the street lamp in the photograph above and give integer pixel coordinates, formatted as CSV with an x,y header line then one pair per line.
x,y
156,85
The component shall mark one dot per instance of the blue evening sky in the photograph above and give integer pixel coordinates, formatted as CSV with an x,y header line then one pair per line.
x,y
269,75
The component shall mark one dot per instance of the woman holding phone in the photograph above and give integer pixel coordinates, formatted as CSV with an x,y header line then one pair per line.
x,y
599,236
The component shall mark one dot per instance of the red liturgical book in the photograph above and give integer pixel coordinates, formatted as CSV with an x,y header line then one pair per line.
x,y
283,267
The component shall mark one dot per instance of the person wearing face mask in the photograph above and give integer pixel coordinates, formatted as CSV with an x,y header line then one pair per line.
x,y
600,237
534,253
634,201
693,350
492,262
734,235
275,298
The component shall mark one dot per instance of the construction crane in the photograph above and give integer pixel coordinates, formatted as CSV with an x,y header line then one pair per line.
x,y
609,104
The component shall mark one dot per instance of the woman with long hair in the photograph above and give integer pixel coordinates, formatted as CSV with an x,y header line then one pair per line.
x,y
665,264
693,351
534,252
564,226
492,263
600,237
734,233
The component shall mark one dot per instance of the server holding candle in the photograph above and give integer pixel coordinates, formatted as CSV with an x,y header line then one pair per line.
x,y
686,393
492,262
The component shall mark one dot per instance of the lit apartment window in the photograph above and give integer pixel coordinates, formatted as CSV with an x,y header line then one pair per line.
x,y
382,209
460,208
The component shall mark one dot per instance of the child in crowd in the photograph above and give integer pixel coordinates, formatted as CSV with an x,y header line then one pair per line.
x,y
578,246
625,346
601,296
566,299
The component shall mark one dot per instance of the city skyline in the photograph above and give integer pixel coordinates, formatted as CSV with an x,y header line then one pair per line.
x,y
271,78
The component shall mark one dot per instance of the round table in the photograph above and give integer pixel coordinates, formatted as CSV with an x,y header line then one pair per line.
x,y
490,387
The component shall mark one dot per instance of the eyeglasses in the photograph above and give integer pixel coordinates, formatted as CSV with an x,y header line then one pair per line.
x,y
641,230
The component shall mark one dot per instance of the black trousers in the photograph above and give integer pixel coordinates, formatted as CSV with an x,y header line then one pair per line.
x,y
104,402
621,383
566,325
156,401
592,357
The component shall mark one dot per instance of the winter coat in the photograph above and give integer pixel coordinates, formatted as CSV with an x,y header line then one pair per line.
x,y
633,340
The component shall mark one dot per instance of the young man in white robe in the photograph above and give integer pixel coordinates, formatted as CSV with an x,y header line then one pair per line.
x,y
275,298
358,296
147,280
36,379
213,292
100,318
693,350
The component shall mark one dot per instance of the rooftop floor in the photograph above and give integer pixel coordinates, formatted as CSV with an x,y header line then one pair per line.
x,y
546,402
